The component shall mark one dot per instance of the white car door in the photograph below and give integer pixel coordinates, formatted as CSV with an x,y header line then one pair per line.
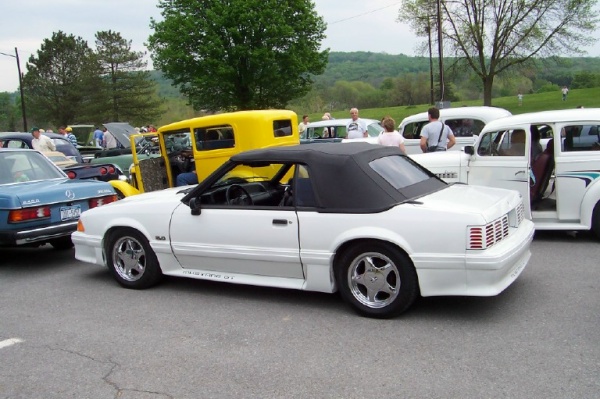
x,y
232,239
501,160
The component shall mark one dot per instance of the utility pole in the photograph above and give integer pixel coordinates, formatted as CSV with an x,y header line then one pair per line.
x,y
16,56
440,48
21,89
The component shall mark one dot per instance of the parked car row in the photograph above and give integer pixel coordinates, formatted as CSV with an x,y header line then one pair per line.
x,y
465,122
361,219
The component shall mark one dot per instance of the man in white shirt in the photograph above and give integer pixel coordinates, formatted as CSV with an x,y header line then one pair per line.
x,y
356,128
303,125
40,142
109,140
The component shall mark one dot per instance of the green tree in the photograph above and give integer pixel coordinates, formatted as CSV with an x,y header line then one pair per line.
x,y
239,54
491,37
58,80
128,91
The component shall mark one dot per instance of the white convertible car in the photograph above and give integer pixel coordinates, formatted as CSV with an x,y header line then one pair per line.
x,y
358,218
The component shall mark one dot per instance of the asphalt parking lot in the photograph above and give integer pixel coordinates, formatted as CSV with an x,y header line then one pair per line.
x,y
67,330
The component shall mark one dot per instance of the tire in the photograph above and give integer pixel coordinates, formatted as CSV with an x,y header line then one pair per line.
x,y
131,260
62,243
377,280
596,220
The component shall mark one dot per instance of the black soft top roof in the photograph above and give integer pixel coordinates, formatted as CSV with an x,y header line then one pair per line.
x,y
341,176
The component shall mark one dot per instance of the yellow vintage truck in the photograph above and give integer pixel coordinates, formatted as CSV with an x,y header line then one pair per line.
x,y
201,145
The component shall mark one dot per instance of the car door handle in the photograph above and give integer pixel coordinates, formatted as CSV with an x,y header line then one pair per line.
x,y
282,222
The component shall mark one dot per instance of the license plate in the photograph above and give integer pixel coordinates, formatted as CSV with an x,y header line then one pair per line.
x,y
70,212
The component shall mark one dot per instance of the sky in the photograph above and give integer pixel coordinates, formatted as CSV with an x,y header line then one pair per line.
x,y
352,25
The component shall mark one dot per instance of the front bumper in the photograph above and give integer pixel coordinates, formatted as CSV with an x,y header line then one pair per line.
x,y
37,235
88,248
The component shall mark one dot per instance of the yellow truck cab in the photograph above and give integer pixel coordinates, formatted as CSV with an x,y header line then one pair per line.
x,y
203,144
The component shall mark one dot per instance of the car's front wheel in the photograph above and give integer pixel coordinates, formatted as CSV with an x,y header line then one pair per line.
x,y
131,260
377,280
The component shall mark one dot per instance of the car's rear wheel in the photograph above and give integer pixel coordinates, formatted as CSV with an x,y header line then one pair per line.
x,y
62,243
377,280
131,260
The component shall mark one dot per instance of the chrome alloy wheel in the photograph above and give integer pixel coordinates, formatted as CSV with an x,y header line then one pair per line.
x,y
374,280
129,258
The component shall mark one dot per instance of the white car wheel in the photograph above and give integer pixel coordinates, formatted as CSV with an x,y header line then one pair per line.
x,y
377,279
131,260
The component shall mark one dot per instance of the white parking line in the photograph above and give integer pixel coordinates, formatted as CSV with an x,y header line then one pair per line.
x,y
9,342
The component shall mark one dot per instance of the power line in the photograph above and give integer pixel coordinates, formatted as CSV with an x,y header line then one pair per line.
x,y
364,13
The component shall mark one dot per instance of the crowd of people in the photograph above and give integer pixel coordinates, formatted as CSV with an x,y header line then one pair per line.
x,y
435,136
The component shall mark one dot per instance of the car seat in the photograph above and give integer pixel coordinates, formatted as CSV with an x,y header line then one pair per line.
x,y
542,169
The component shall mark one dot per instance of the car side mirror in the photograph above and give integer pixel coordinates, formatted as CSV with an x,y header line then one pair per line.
x,y
469,149
195,206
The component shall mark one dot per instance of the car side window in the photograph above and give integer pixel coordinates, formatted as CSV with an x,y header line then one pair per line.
x,y
465,127
503,143
413,130
15,144
282,128
302,190
581,138
214,137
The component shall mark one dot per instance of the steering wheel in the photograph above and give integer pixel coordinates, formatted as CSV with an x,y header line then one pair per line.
x,y
237,195
182,160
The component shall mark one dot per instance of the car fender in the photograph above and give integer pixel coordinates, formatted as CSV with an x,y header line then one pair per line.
x,y
450,166
125,188
373,233
588,202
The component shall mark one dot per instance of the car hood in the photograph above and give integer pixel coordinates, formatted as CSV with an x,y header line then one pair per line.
x,y
27,194
489,202
121,131
174,194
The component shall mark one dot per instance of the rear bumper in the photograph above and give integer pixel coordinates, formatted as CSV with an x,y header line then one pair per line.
x,y
36,235
483,273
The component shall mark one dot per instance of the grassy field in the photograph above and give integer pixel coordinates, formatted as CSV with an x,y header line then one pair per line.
x,y
589,98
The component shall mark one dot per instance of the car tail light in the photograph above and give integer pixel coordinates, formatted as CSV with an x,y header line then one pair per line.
x,y
111,170
71,174
80,226
483,237
28,214
94,202
103,171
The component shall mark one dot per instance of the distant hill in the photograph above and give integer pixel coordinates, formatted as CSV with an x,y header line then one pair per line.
x,y
374,68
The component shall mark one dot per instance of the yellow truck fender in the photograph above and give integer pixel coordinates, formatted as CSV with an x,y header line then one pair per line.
x,y
123,188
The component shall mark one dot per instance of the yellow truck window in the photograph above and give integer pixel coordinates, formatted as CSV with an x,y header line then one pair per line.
x,y
214,137
282,128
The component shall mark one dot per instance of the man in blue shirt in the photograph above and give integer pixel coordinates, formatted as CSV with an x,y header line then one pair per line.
x,y
98,137
72,138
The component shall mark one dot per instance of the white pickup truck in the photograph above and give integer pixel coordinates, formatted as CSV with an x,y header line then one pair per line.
x,y
559,182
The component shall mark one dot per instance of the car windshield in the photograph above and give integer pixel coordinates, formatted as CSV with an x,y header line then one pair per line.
x,y
23,166
374,129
